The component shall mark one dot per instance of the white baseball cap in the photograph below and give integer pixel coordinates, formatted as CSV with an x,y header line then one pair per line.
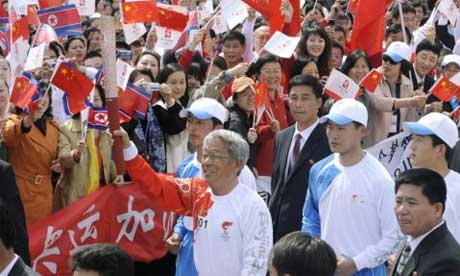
x,y
206,108
346,111
436,124
399,51
448,59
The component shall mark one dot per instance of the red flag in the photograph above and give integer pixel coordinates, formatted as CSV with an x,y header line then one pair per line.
x,y
65,20
370,19
261,90
133,102
371,80
76,86
139,12
444,89
170,18
98,118
262,6
44,4
352,6
32,16
20,29
23,90
293,28
3,15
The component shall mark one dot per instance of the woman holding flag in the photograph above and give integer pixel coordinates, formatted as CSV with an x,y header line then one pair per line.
x,y
32,143
85,152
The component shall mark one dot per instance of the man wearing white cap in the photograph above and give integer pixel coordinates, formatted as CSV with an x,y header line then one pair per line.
x,y
350,198
393,102
203,116
435,135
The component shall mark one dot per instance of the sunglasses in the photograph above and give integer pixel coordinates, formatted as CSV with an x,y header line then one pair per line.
x,y
388,59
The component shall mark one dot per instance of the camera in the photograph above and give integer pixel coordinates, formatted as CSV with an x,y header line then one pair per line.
x,y
151,86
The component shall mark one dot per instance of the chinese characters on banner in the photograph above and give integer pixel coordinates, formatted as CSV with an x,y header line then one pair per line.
x,y
125,216
394,153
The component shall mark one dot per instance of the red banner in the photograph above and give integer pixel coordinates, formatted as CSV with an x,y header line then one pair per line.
x,y
125,216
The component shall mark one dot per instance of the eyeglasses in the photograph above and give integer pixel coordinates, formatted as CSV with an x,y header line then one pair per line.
x,y
388,59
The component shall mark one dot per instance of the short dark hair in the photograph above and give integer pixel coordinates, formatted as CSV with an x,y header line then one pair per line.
x,y
67,43
168,70
220,63
432,184
7,226
352,59
406,8
264,60
235,35
136,72
428,46
299,253
311,81
396,28
298,65
92,54
438,141
153,54
106,259
337,45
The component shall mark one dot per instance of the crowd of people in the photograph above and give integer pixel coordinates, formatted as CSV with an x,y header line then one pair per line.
x,y
277,181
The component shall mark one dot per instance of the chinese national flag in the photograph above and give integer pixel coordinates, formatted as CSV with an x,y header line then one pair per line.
x,y
76,86
32,16
44,4
261,90
171,19
371,80
444,89
369,19
20,28
353,6
139,12
23,90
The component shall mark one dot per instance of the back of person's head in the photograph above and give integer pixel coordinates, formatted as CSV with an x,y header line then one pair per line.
x,y
310,81
105,259
426,45
300,254
432,184
7,227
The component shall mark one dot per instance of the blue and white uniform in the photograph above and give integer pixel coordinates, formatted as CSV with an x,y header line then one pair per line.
x,y
352,209
191,168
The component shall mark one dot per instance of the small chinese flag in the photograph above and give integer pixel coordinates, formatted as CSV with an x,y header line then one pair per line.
x,y
371,80
32,16
139,12
23,90
171,19
261,90
20,29
444,89
76,86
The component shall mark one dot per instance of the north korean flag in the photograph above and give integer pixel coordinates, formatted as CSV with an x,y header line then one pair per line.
x,y
133,102
98,118
64,19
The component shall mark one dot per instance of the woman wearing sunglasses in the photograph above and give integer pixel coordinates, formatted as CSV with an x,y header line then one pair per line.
x,y
394,101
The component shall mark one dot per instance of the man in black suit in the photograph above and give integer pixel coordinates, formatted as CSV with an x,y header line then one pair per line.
x,y
10,263
431,248
296,149
426,58
10,194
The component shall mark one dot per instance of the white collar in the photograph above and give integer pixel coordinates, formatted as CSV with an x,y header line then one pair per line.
x,y
9,267
306,132
414,243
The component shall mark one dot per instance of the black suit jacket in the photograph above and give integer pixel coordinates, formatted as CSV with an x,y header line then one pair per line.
x,y
437,254
10,194
288,193
427,81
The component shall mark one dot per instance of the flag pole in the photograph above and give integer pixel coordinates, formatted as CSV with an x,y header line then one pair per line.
x,y
111,91
401,18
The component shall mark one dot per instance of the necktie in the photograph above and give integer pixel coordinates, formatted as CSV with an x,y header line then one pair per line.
x,y
295,152
403,259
